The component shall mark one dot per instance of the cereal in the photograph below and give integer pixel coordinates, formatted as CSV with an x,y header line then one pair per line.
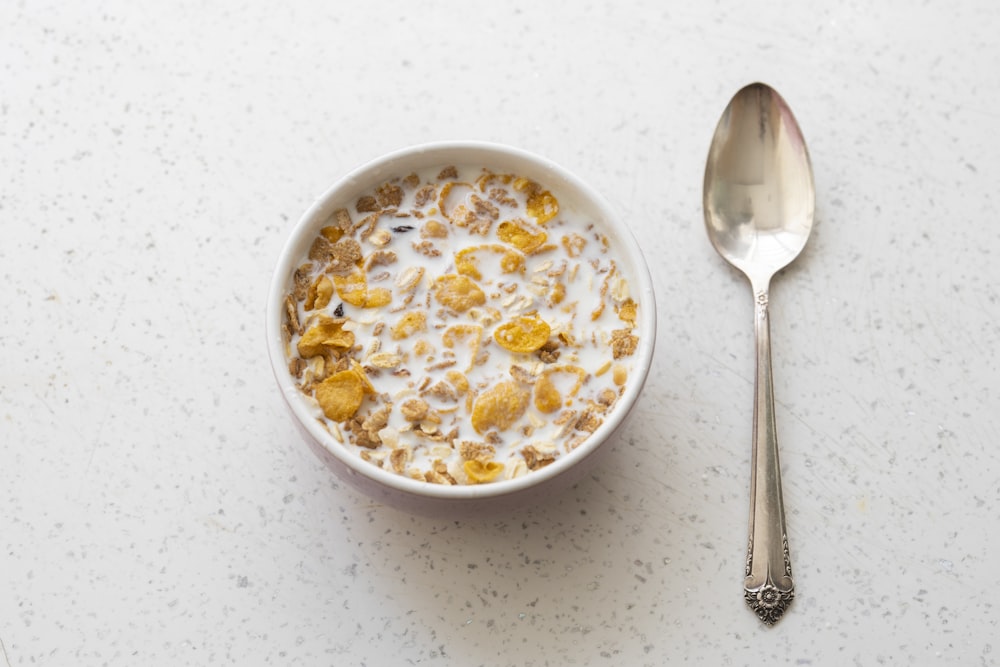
x,y
460,326
499,407
518,234
480,472
326,335
523,334
548,393
340,395
458,292
414,410
409,324
467,260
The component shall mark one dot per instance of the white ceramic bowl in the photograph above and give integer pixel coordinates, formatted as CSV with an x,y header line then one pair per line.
x,y
435,499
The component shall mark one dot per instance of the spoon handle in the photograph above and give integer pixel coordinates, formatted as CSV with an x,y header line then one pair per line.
x,y
768,586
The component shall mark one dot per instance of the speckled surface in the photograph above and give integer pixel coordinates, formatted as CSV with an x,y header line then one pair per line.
x,y
157,506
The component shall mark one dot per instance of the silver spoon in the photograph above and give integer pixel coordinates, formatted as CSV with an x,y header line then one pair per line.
x,y
759,200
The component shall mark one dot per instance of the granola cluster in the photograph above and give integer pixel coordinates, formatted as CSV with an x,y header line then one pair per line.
x,y
459,327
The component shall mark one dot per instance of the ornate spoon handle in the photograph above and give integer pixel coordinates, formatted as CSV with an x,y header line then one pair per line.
x,y
768,586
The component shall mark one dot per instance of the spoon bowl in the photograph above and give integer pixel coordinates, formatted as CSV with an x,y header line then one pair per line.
x,y
759,195
759,200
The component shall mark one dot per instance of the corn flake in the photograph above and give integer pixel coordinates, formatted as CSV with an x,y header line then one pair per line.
x,y
451,197
472,334
481,473
409,324
518,234
433,229
547,396
319,294
340,395
627,312
458,381
499,407
467,259
524,334
378,297
352,288
327,334
542,206
458,292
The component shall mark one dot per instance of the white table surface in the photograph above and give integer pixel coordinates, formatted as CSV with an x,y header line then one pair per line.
x,y
159,509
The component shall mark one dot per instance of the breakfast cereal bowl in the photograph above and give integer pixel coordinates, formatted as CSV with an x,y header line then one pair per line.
x,y
460,327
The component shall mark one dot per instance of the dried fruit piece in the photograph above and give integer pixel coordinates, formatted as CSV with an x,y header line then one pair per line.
x,y
340,395
481,473
458,292
326,334
409,324
520,235
523,334
499,407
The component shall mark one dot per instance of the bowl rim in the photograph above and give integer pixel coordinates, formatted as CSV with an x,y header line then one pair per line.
x,y
435,154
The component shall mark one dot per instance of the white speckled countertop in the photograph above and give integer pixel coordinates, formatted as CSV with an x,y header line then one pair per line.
x,y
158,508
